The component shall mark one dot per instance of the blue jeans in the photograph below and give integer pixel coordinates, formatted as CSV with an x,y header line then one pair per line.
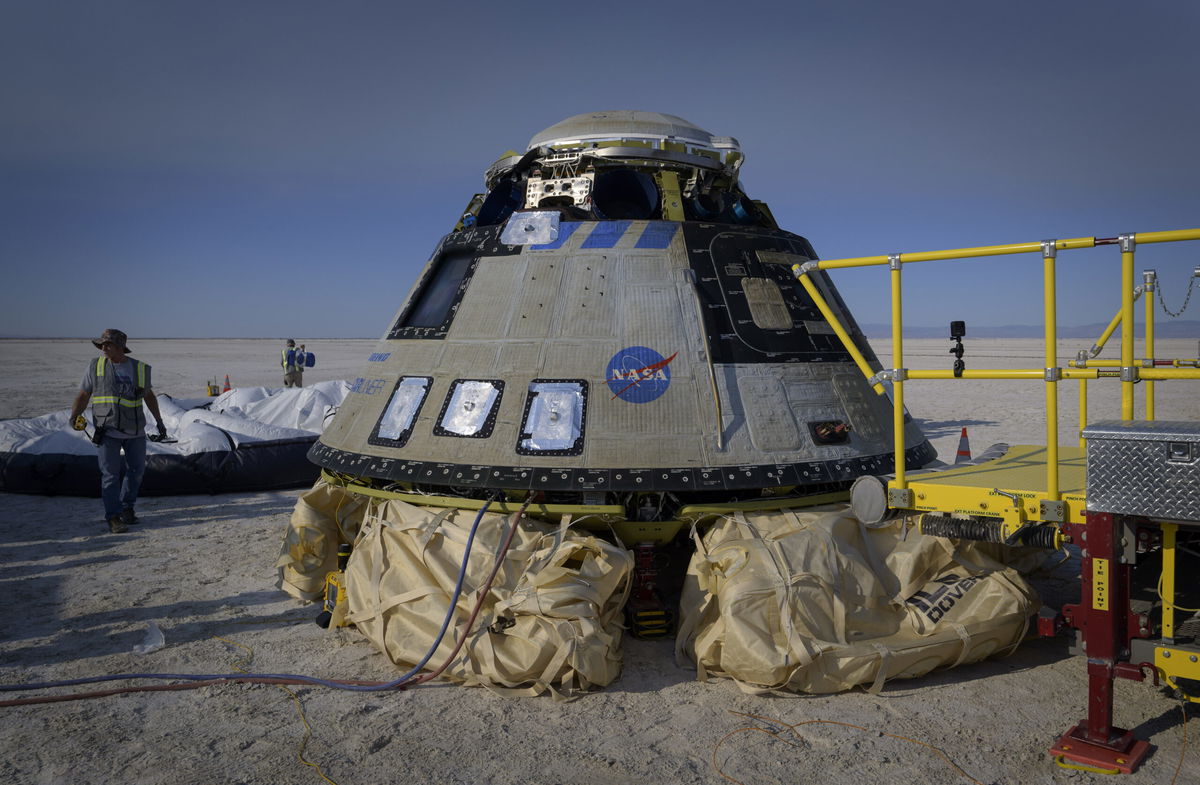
x,y
120,478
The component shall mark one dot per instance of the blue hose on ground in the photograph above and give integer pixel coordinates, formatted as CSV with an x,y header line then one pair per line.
x,y
294,678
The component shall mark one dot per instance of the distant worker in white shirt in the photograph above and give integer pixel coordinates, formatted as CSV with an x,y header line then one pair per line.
x,y
117,385
292,361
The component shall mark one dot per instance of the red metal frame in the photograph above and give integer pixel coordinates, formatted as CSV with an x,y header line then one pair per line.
x,y
1106,632
648,615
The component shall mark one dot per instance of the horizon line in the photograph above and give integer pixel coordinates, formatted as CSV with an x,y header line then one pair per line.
x,y
873,329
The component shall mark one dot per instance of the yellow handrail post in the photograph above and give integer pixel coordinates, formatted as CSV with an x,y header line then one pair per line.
x,y
897,369
1053,372
1082,410
1128,372
1108,331
1169,532
1148,280
838,330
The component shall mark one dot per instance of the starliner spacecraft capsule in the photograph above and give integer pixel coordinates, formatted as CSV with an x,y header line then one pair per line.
x,y
615,323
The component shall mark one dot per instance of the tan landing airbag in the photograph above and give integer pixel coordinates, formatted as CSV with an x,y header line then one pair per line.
x,y
324,517
550,622
814,601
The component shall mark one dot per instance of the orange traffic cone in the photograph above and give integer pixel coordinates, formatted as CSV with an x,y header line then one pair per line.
x,y
964,448
226,389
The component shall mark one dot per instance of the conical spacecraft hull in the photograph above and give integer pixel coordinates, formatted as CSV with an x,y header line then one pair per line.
x,y
615,316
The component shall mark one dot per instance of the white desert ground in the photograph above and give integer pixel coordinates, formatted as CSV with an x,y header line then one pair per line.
x,y
202,569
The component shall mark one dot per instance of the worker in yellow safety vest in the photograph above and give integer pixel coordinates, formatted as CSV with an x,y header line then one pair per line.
x,y
117,386
292,361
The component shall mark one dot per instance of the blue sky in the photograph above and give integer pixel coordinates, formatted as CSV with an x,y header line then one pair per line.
x,y
286,168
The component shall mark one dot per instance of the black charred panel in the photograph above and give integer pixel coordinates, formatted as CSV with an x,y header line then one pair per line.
x,y
721,257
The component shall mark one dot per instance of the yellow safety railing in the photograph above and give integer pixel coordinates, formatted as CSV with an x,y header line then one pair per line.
x,y
1128,371
1149,361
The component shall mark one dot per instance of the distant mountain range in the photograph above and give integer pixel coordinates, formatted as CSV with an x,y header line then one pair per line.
x,y
1173,328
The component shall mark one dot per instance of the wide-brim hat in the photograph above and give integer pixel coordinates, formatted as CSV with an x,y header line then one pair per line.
x,y
112,336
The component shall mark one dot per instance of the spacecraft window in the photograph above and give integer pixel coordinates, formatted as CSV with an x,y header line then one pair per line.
x,y
432,304
396,423
555,410
470,408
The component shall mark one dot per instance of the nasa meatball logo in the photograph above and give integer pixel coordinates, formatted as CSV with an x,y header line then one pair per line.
x,y
638,374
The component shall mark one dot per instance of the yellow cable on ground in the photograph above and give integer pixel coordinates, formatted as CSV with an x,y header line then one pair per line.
x,y
1183,747
1062,764
792,728
244,666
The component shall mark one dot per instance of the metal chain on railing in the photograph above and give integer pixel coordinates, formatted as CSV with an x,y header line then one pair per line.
x,y
1191,285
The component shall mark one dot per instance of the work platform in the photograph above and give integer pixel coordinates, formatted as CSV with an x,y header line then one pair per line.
x,y
1011,487
1136,619
1129,500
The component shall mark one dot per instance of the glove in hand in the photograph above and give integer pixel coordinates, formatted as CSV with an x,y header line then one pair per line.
x,y
79,423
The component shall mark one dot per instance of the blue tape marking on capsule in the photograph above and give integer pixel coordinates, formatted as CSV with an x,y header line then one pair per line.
x,y
606,234
657,234
565,230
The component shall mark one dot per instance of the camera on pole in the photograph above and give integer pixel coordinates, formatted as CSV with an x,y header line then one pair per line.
x,y
957,331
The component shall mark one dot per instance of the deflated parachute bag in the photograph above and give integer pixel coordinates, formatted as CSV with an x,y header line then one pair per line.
x,y
814,601
324,517
550,622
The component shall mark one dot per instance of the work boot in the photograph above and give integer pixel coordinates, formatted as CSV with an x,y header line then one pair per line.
x,y
128,516
116,525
